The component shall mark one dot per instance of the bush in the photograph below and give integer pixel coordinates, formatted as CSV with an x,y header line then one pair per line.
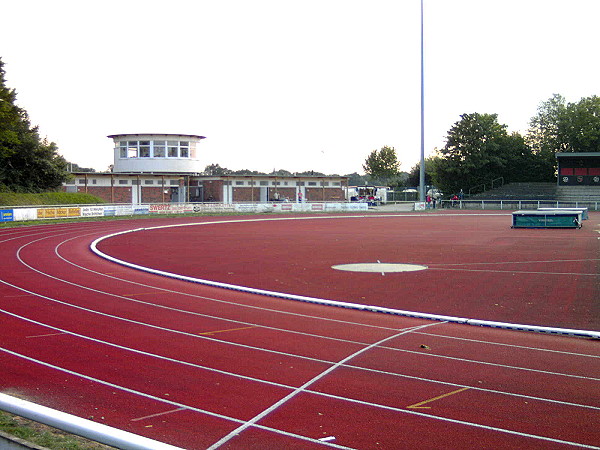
x,y
47,198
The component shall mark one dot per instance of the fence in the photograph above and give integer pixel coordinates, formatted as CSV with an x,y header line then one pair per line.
x,y
16,214
517,204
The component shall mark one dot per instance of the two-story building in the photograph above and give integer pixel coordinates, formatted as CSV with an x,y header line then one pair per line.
x,y
160,168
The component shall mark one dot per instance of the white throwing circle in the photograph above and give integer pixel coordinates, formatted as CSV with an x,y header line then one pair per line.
x,y
379,267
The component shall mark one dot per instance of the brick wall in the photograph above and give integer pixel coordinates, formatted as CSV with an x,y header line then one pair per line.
x,y
246,194
151,194
99,191
213,191
324,195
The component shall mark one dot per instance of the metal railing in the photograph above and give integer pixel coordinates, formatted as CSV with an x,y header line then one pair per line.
x,y
494,184
518,204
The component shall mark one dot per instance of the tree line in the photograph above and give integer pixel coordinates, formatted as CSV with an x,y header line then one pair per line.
x,y
479,149
28,163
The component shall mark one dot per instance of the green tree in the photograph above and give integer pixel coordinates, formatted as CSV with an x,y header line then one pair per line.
x,y
559,126
414,176
579,126
545,136
247,172
355,179
479,150
217,170
77,168
382,165
27,163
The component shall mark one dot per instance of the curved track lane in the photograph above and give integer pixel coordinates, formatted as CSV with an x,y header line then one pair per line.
x,y
201,367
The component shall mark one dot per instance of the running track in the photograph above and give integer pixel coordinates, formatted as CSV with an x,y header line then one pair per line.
x,y
202,367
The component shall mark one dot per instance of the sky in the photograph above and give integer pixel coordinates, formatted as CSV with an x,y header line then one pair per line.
x,y
290,84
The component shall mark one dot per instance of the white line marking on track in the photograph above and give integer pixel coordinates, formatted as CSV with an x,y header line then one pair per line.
x,y
303,388
44,335
372,308
151,416
216,300
162,400
191,408
230,343
514,271
272,383
525,347
267,350
281,312
129,299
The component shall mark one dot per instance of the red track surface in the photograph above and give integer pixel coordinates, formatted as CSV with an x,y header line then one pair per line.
x,y
188,364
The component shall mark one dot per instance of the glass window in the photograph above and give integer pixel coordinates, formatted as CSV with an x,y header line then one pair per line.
x,y
184,152
123,153
122,181
174,182
159,150
312,183
144,142
172,151
82,181
144,151
184,144
324,183
264,183
148,181
239,183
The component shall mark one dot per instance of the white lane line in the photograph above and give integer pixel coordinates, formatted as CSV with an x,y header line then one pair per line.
x,y
43,335
129,299
326,362
263,349
305,386
550,261
357,306
211,299
264,309
513,271
162,400
151,416
522,347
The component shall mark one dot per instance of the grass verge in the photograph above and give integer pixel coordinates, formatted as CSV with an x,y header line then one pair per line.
x,y
45,436
47,198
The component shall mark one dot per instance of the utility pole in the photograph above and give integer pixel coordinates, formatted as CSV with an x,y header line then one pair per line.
x,y
422,165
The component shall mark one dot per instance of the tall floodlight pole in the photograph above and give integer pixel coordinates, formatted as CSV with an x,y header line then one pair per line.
x,y
422,165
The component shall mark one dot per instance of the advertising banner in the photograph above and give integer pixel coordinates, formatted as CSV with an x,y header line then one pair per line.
x,y
92,211
171,208
213,207
21,214
58,213
6,215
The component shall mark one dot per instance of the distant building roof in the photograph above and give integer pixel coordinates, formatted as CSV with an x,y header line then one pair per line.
x,y
578,155
112,136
